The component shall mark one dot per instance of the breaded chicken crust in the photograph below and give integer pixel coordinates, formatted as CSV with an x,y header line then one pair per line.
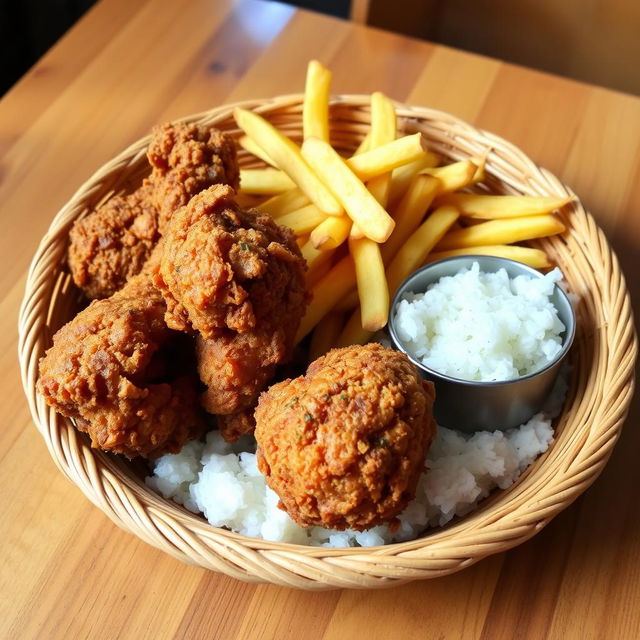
x,y
111,244
186,159
344,445
236,278
105,370
227,268
236,367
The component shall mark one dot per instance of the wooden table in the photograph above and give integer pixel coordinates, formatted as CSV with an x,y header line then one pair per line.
x,y
66,571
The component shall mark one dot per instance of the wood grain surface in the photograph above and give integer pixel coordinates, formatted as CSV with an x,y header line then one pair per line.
x,y
66,571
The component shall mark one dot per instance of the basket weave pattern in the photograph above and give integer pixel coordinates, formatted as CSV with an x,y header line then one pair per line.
x,y
602,382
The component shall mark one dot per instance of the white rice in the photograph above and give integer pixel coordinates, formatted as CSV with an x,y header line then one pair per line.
x,y
483,326
222,482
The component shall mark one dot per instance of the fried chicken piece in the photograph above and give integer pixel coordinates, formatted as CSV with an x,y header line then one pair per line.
x,y
344,445
227,268
185,159
112,244
237,366
107,371
237,279
236,425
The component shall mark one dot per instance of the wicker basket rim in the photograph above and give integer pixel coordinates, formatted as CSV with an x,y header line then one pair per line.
x,y
164,515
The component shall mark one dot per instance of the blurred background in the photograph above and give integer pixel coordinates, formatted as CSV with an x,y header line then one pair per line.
x,y
597,41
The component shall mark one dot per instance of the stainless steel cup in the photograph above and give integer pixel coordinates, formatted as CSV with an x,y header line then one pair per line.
x,y
474,406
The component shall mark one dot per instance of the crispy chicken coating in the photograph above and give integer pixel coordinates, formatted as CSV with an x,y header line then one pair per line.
x,y
227,268
236,425
185,159
108,370
236,367
344,445
111,244
237,279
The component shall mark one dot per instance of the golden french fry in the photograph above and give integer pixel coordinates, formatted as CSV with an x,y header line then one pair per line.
x,y
311,254
326,292
359,204
469,222
302,240
410,212
505,231
286,154
382,159
322,267
315,110
535,258
249,145
402,176
383,131
284,203
303,220
480,162
364,145
379,188
383,120
383,110
372,283
349,302
417,247
353,333
493,207
454,176
248,201
331,233
356,232
264,181
318,262
325,334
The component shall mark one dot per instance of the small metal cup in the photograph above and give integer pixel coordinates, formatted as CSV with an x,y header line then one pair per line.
x,y
475,406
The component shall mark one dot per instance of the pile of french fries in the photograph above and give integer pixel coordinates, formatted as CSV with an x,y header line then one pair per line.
x,y
366,222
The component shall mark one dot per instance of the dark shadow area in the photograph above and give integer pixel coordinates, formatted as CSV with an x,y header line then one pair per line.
x,y
338,8
28,28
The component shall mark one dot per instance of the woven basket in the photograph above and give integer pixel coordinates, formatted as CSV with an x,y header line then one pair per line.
x,y
601,387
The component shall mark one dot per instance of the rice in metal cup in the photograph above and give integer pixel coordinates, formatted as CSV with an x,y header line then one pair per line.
x,y
470,405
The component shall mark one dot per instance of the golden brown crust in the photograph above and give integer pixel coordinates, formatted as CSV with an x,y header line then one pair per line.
x,y
236,425
235,278
105,370
236,367
185,159
227,268
344,445
112,244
